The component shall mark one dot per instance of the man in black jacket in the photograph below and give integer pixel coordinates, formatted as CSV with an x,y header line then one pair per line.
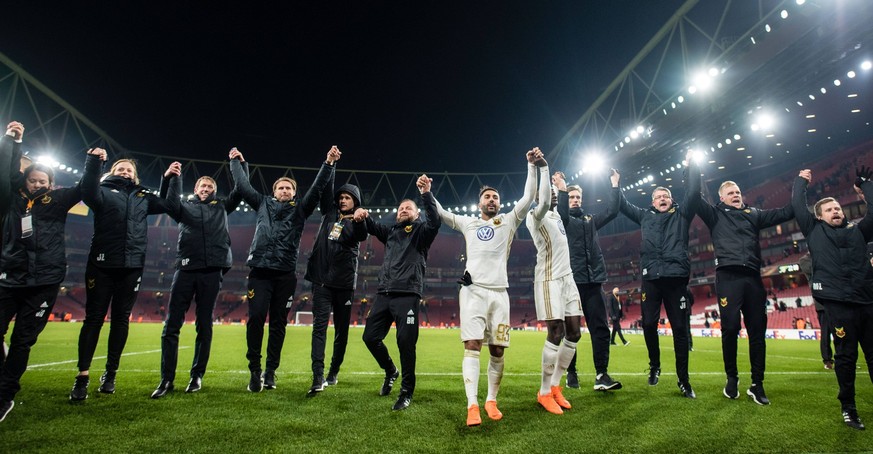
x,y
735,228
333,272
203,257
589,272
401,285
616,313
665,267
842,280
33,264
10,153
273,260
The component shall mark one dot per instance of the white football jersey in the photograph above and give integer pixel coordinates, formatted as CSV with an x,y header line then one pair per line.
x,y
553,252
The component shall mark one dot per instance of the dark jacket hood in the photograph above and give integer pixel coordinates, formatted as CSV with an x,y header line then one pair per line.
x,y
351,190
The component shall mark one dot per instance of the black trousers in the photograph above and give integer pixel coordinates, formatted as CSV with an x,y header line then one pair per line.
x,y
402,310
269,292
616,329
202,287
669,292
741,291
105,287
31,307
853,326
594,308
827,333
325,300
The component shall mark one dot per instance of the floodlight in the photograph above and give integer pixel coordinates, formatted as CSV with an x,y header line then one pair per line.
x,y
784,14
850,74
837,82
866,65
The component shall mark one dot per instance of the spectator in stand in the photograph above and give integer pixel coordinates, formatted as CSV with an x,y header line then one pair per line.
x,y
115,263
33,264
798,302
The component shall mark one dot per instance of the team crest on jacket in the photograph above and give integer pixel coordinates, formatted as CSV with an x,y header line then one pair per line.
x,y
46,199
407,229
723,301
250,294
140,194
497,221
587,218
485,233
747,211
92,283
643,296
213,202
672,210
840,332
293,203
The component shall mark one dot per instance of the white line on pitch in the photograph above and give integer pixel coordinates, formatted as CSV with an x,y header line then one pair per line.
x,y
34,366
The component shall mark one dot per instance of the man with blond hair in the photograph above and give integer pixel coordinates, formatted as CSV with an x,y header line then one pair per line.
x,y
735,229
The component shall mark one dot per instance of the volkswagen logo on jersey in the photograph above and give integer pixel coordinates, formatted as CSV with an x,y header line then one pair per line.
x,y
561,228
485,233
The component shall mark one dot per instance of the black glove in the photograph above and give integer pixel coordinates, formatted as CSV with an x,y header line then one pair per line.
x,y
466,279
863,174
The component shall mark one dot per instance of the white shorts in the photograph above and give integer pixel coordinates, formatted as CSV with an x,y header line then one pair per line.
x,y
557,299
484,315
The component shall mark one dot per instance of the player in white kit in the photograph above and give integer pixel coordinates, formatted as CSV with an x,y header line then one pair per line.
x,y
483,297
555,295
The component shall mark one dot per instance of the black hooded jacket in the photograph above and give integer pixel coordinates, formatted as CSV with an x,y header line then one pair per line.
x,y
276,242
121,208
586,258
334,259
841,270
10,154
734,231
203,238
664,249
39,259
406,248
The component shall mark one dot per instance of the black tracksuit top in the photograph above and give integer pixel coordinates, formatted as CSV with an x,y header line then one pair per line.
x,y
586,258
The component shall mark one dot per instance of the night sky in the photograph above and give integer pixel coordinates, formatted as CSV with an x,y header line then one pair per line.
x,y
432,86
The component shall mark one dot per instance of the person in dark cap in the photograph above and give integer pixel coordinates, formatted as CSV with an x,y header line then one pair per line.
x,y
333,272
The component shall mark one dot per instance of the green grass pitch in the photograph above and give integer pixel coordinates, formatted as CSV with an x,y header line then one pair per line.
x,y
351,417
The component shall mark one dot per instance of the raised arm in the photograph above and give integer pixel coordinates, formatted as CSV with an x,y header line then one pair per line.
x,y
612,205
693,185
91,178
173,182
241,179
432,220
544,194
535,159
865,174
10,154
805,219
563,197
325,178
776,216
631,211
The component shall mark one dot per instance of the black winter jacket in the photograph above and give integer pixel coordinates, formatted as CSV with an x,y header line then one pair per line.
x,y
120,211
406,248
276,242
841,270
10,155
586,258
734,231
334,262
203,238
664,249
41,258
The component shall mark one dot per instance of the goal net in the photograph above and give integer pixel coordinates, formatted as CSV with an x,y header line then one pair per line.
x,y
303,318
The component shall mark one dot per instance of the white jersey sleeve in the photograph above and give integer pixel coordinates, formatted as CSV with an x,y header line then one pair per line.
x,y
553,251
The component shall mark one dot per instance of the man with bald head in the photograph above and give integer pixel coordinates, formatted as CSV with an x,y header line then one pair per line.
x,y
735,229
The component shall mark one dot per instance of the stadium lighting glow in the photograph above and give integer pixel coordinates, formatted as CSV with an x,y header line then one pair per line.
x,y
593,163
464,209
673,105
698,156
800,2
681,99
837,82
702,81
765,121
395,210
737,137
727,141
627,140
866,65
634,134
812,97
824,90
850,74
713,71
692,90
767,28
640,129
753,40
784,14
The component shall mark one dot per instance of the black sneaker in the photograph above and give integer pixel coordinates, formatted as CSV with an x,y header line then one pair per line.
x,y
6,407
107,382
730,388
403,400
318,385
270,379
572,380
255,383
850,417
685,389
80,388
756,391
389,382
194,385
331,380
604,382
654,373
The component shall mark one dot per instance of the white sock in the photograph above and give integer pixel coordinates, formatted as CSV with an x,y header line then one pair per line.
x,y
470,372
495,375
550,357
565,355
